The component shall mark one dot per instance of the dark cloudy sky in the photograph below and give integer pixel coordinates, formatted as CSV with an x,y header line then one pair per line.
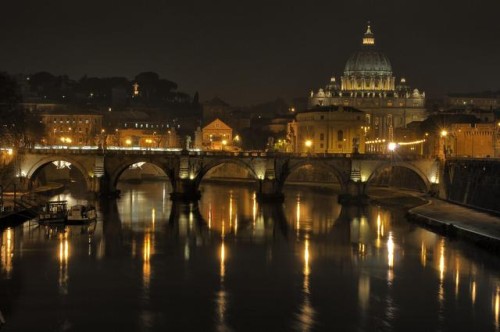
x,y
251,51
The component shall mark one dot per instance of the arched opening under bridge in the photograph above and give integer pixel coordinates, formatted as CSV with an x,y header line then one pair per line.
x,y
398,176
147,187
51,176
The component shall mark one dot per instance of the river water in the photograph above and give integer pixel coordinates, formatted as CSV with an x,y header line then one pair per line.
x,y
228,264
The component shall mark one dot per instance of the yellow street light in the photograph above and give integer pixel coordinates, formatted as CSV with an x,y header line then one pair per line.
x,y
444,133
392,146
308,143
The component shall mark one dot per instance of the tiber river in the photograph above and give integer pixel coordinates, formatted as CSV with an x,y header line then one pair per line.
x,y
228,264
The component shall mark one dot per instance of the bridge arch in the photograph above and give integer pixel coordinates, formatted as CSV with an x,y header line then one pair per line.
x,y
39,164
389,164
215,163
287,171
114,174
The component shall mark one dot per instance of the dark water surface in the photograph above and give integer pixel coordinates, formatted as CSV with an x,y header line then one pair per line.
x,y
228,264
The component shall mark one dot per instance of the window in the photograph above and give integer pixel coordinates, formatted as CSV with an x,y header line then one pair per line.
x,y
321,137
340,135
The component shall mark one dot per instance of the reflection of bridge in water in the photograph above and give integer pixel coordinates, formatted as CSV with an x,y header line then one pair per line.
x,y
190,222
101,169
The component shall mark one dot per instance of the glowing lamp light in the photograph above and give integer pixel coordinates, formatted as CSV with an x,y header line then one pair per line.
x,y
444,133
308,143
392,146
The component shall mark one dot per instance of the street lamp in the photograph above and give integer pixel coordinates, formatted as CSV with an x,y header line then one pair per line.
x,y
149,141
443,134
392,146
308,143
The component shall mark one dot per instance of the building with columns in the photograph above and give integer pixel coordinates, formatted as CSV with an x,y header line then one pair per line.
x,y
368,84
328,129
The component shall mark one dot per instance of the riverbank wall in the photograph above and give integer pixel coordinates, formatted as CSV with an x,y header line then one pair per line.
x,y
459,222
473,183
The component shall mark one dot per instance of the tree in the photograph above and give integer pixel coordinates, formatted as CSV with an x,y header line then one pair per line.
x,y
9,92
154,90
10,113
196,99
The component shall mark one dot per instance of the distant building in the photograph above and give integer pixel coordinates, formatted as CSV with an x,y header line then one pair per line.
x,y
481,100
217,136
144,138
328,129
237,118
71,127
134,128
479,140
369,85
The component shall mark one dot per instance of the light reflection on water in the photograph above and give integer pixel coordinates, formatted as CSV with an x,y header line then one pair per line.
x,y
310,265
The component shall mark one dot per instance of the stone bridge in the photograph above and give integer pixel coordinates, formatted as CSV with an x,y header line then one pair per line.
x,y
186,169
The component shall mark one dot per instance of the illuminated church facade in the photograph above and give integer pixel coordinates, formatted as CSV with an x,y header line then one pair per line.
x,y
368,84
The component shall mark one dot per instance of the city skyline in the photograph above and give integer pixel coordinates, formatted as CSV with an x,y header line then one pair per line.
x,y
251,53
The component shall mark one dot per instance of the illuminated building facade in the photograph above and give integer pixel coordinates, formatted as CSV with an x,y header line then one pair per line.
x,y
144,138
478,140
141,128
369,85
328,129
71,128
216,135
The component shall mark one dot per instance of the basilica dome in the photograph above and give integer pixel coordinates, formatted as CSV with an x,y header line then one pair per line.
x,y
368,61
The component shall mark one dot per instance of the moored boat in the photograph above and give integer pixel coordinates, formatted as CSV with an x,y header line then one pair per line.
x,y
53,212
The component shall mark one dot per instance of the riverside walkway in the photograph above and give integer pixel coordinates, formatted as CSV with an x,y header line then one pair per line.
x,y
455,220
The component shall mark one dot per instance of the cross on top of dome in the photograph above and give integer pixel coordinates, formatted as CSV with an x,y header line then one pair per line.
x,y
368,38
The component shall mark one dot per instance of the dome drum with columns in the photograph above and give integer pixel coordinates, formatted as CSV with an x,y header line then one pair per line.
x,y
368,84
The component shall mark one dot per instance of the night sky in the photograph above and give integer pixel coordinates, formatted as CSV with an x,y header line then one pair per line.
x,y
248,52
